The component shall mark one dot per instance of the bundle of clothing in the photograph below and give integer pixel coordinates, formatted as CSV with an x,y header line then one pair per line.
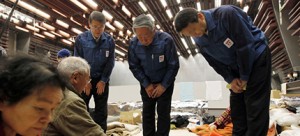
x,y
223,126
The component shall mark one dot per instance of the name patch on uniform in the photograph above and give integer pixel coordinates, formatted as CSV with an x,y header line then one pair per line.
x,y
161,58
106,53
228,42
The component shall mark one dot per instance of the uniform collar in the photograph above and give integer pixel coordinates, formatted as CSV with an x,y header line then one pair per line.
x,y
91,37
210,24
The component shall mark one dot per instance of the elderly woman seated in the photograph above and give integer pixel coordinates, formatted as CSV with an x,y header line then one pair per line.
x,y
29,91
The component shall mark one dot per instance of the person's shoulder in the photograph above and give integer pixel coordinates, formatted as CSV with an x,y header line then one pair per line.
x,y
107,35
164,36
83,35
226,9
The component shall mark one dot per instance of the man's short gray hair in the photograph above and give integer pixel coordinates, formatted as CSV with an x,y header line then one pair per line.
x,y
143,21
73,64
97,16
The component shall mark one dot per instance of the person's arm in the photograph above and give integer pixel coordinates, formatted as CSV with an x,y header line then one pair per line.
x,y
78,47
135,66
241,30
110,62
173,63
76,121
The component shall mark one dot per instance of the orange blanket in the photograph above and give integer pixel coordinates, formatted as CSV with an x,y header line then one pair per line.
x,y
204,130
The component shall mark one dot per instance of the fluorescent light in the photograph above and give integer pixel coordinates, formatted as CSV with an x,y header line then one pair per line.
x,y
196,50
184,43
22,29
121,33
65,34
180,8
32,28
40,27
56,33
127,12
246,8
119,52
118,24
49,34
199,6
39,35
193,41
178,52
80,5
133,18
75,30
142,6
59,13
91,3
178,1
49,27
129,32
110,26
157,26
164,3
66,41
72,19
107,15
189,51
121,48
217,3
33,9
169,13
115,1
62,23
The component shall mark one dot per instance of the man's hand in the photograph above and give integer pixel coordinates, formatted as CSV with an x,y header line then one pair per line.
x,y
87,89
149,90
100,87
238,85
158,91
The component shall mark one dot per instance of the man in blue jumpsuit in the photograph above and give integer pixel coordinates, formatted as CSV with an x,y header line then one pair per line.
x,y
238,51
153,60
98,49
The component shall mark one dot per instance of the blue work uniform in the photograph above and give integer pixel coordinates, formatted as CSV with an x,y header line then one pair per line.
x,y
101,57
152,64
235,48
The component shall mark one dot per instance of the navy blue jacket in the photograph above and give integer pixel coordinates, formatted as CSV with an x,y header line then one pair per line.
x,y
232,44
156,63
100,55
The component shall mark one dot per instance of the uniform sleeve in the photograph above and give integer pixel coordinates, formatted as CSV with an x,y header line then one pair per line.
x,y
78,47
110,62
76,121
239,27
135,66
173,63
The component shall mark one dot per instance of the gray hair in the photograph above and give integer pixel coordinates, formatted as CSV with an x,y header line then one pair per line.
x,y
73,64
97,16
143,21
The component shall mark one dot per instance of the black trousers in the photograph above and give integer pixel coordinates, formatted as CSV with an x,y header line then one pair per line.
x,y
250,109
163,110
100,114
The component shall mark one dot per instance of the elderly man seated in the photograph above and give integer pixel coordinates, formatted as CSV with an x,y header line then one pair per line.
x,y
71,117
